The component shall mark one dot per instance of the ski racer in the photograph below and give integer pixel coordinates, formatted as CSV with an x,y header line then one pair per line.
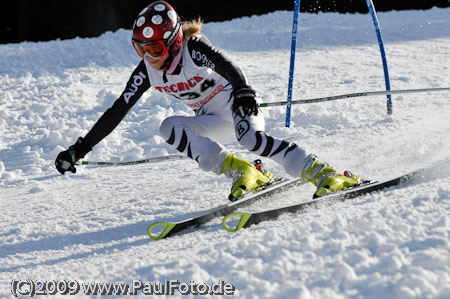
x,y
178,60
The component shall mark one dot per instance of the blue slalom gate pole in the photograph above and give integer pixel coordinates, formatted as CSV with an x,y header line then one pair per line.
x,y
383,53
291,68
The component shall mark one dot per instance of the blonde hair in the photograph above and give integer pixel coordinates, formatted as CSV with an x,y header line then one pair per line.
x,y
191,28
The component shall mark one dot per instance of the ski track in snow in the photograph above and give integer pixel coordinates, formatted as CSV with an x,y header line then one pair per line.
x,y
91,227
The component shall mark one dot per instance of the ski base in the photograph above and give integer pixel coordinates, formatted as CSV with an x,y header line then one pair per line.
x,y
245,220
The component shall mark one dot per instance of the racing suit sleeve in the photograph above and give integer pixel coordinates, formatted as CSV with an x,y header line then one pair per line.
x,y
136,86
203,53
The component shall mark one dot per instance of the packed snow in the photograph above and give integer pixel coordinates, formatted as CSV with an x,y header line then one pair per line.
x,y
91,226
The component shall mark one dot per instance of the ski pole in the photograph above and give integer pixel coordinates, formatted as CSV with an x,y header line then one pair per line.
x,y
353,95
121,163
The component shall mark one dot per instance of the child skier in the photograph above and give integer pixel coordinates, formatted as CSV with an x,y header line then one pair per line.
x,y
179,61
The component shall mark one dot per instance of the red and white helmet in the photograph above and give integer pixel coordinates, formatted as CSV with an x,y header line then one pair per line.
x,y
156,30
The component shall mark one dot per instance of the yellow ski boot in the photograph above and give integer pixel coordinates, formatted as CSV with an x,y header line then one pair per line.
x,y
326,178
245,176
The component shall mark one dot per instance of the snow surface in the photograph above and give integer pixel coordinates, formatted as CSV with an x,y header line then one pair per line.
x,y
91,227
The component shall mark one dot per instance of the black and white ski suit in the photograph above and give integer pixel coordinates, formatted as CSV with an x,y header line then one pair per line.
x,y
204,79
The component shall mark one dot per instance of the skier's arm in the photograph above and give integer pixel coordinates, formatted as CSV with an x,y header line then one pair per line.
x,y
203,53
136,86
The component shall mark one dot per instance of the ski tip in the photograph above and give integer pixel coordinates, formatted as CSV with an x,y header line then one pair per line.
x,y
243,218
167,227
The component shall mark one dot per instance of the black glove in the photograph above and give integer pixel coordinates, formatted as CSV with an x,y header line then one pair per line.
x,y
245,102
66,160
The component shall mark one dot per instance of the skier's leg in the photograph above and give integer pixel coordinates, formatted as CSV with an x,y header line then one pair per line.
x,y
190,135
250,134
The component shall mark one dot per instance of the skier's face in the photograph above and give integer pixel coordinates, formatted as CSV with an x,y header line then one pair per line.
x,y
157,63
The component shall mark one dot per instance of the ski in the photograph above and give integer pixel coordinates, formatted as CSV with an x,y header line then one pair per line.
x,y
169,228
245,220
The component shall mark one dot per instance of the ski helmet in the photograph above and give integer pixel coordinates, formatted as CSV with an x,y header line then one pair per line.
x,y
157,30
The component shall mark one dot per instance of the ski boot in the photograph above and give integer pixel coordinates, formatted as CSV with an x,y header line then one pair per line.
x,y
245,176
326,178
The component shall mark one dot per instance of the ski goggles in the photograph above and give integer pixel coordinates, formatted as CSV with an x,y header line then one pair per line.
x,y
154,49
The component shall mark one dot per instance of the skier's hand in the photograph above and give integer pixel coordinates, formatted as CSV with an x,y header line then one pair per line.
x,y
65,161
245,102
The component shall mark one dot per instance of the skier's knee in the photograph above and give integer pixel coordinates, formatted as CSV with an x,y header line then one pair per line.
x,y
167,127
